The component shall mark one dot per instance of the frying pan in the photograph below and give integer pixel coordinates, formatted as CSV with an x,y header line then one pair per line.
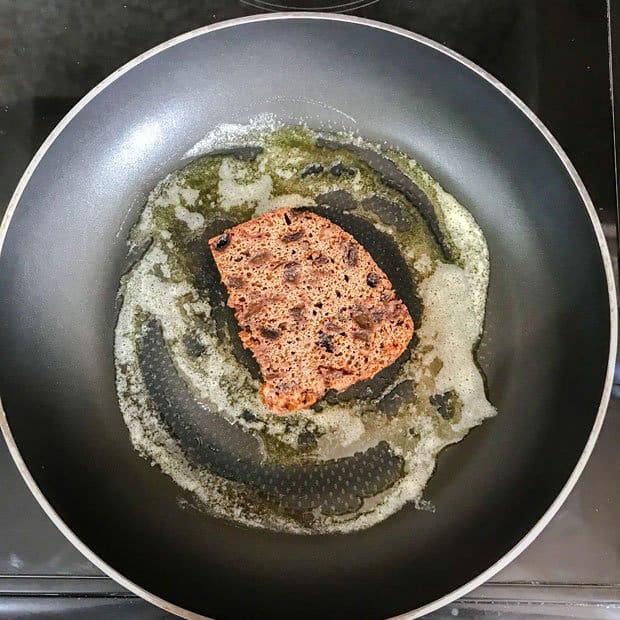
x,y
548,346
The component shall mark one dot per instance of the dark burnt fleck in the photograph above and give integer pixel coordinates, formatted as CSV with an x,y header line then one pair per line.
x,y
350,254
340,169
248,416
446,404
312,169
306,440
326,342
193,346
372,279
294,236
270,333
222,241
287,219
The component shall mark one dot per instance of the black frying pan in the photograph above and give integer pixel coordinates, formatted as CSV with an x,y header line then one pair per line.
x,y
548,347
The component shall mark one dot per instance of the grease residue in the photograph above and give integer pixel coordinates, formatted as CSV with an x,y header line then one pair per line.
x,y
448,386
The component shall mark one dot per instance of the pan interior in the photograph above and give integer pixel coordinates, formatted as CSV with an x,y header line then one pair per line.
x,y
189,391
65,251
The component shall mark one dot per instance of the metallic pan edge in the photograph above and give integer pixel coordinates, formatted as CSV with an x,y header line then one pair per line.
x,y
467,64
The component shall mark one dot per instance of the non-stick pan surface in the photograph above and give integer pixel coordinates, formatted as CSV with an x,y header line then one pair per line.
x,y
547,348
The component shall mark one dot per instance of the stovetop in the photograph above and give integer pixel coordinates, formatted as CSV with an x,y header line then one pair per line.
x,y
554,54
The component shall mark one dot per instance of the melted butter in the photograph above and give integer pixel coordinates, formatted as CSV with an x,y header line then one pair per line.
x,y
443,363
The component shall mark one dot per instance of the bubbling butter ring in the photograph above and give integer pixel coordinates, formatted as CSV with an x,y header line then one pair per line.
x,y
335,487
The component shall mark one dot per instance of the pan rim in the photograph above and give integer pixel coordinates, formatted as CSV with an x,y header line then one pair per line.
x,y
523,108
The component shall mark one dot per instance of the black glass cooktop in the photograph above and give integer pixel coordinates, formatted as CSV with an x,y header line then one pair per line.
x,y
555,54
